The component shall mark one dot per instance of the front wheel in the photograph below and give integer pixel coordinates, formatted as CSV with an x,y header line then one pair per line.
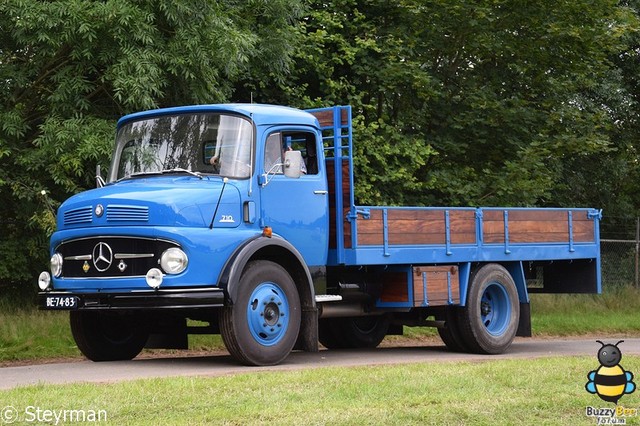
x,y
108,336
489,322
262,326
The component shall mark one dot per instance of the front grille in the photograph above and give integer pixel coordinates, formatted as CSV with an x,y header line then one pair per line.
x,y
78,216
105,257
117,213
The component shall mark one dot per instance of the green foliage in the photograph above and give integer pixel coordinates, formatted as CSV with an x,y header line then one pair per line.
x,y
491,102
469,103
70,68
611,180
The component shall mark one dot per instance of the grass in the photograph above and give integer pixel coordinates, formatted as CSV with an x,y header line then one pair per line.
x,y
546,391
614,312
540,391
27,334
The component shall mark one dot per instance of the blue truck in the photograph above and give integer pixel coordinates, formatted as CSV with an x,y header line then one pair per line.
x,y
240,220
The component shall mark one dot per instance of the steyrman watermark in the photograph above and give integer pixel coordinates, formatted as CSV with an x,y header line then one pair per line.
x,y
34,414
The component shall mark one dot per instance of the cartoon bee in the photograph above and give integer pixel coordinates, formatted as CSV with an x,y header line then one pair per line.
x,y
610,381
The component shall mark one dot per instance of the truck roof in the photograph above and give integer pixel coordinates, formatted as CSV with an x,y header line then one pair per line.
x,y
260,113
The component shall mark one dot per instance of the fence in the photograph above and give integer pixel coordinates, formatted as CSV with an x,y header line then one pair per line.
x,y
620,251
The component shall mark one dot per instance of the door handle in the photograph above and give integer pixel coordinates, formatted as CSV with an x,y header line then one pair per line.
x,y
321,192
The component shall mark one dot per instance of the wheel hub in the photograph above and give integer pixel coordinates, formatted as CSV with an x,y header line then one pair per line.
x,y
268,314
495,309
485,308
271,314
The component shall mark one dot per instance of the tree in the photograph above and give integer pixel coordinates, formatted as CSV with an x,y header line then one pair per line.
x,y
610,180
465,103
70,68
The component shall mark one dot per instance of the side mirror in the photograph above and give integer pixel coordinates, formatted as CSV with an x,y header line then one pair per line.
x,y
293,164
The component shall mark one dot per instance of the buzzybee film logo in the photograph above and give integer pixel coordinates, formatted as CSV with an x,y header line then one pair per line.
x,y
610,381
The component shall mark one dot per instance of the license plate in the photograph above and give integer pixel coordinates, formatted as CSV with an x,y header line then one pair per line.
x,y
61,302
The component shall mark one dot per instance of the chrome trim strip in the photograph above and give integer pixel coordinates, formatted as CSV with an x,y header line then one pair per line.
x,y
81,257
133,256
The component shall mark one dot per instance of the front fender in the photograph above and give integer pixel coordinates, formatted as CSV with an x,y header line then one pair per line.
x,y
275,249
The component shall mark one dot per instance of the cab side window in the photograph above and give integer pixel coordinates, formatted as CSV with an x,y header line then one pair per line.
x,y
305,142
279,142
273,154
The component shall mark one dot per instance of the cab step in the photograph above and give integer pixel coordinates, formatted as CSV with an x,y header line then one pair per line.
x,y
324,298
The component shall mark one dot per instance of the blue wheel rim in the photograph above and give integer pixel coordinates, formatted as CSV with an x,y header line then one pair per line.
x,y
268,314
495,309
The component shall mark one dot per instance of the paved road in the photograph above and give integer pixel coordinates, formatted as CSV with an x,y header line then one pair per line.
x,y
216,365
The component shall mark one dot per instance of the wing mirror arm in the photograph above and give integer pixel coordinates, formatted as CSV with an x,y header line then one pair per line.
x,y
266,177
292,167
100,182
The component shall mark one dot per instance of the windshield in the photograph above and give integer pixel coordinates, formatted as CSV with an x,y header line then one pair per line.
x,y
199,143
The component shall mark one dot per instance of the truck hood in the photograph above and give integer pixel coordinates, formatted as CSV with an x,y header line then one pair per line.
x,y
154,201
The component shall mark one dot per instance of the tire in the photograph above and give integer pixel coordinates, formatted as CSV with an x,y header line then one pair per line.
x,y
450,333
108,336
353,333
489,321
330,334
262,326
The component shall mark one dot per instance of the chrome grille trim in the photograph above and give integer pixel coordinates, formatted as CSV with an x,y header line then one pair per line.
x,y
102,257
81,257
133,255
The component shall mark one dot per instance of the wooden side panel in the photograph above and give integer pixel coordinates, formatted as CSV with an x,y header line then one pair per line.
x,y
439,281
395,287
325,118
493,226
583,227
370,231
406,226
537,226
331,179
463,226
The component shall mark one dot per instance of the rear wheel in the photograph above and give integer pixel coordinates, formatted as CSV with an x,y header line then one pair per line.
x,y
359,332
330,334
108,336
489,321
450,333
262,326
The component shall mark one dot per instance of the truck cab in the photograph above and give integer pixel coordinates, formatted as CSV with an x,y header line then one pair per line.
x,y
193,195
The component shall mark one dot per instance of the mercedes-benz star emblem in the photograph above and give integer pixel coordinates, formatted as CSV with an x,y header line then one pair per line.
x,y
102,256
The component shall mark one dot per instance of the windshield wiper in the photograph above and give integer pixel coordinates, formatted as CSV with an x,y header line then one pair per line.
x,y
162,172
181,170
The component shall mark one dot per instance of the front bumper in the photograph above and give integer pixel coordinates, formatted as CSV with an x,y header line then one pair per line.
x,y
211,297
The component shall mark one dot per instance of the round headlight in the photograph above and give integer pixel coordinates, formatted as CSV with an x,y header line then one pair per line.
x,y
44,280
56,265
154,278
174,261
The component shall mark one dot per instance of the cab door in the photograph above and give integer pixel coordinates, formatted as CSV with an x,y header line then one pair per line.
x,y
296,209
